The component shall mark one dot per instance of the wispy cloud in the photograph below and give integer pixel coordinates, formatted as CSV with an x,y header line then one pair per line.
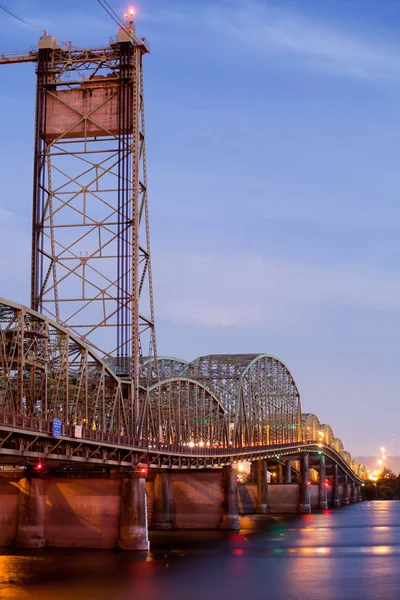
x,y
267,31
251,290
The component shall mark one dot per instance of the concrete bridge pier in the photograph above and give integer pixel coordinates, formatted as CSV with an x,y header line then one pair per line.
x,y
287,472
280,473
335,489
358,489
262,487
345,490
31,506
304,505
164,501
353,497
133,534
323,497
230,520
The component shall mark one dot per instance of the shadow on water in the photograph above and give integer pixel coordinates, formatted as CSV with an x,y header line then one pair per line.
x,y
348,553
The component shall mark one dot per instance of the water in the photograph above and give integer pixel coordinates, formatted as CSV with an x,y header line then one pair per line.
x,y
348,553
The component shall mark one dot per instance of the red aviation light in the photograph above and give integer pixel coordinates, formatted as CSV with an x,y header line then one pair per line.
x,y
39,466
143,471
309,483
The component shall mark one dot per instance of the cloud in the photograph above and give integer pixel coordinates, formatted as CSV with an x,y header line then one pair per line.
x,y
254,291
266,31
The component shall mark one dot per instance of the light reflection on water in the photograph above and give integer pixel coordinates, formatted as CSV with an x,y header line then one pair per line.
x,y
346,554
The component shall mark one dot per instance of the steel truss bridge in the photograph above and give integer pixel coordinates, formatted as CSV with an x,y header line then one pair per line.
x,y
211,412
84,355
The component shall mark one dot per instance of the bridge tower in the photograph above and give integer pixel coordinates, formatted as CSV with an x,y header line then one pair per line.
x,y
91,267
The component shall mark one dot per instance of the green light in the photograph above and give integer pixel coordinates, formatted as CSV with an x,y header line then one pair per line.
x,y
319,452
277,456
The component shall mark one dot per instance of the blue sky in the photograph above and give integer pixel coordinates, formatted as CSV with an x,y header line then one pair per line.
x,y
273,150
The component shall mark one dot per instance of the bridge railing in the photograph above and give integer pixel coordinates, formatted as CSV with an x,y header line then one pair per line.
x,y
37,425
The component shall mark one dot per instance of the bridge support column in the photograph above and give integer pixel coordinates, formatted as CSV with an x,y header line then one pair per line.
x,y
335,489
345,490
304,506
31,505
359,497
287,472
262,487
133,534
164,501
280,473
230,519
323,498
353,497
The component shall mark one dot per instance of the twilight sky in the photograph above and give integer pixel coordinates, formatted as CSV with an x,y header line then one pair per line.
x,y
273,157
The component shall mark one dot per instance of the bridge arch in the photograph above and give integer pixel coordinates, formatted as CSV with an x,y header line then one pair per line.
x,y
258,394
183,411
311,427
327,436
48,372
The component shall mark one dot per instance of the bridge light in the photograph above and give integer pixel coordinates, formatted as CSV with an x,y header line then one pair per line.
x,y
309,483
277,456
143,471
319,451
39,466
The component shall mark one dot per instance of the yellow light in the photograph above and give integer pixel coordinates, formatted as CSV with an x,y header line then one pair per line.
x,y
240,467
131,12
191,444
383,450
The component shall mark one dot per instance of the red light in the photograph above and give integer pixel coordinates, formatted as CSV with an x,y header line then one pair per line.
x,y
327,484
143,470
39,466
308,482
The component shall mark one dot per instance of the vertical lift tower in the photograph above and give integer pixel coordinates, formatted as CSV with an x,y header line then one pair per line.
x,y
91,268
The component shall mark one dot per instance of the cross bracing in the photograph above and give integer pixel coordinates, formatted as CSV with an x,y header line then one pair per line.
x,y
217,406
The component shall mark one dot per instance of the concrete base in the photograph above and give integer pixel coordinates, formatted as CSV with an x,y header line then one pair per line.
x,y
137,545
31,507
30,542
162,526
229,522
336,502
353,500
345,501
304,509
323,505
262,509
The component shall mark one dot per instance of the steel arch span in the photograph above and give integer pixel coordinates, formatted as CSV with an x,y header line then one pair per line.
x,y
182,411
47,372
258,393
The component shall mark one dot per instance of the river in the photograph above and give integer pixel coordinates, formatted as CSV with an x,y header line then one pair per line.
x,y
348,553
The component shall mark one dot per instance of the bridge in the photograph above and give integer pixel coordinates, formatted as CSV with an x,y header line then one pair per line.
x,y
83,406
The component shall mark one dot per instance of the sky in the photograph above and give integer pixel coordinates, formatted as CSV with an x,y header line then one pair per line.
x,y
273,144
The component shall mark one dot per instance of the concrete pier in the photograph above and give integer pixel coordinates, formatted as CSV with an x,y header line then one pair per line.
x,y
31,506
345,490
262,487
163,502
287,472
230,519
335,490
133,534
353,497
304,505
323,497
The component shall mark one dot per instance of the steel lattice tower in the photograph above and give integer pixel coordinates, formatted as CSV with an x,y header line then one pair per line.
x,y
91,268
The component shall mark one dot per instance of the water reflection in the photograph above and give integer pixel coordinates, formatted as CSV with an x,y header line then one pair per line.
x,y
346,554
